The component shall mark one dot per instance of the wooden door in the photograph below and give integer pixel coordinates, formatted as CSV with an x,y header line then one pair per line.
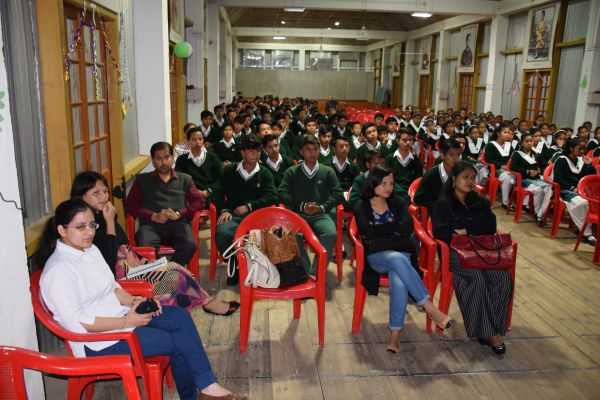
x,y
177,97
396,92
88,96
536,91
465,91
424,92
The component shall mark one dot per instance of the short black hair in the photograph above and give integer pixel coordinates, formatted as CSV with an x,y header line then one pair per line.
x,y
391,120
450,144
309,140
341,139
371,155
448,188
267,139
205,114
85,181
192,130
158,146
373,180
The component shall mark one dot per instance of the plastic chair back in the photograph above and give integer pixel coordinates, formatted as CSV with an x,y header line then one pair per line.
x,y
589,189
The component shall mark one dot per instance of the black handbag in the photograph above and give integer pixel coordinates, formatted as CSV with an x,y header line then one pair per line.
x,y
294,272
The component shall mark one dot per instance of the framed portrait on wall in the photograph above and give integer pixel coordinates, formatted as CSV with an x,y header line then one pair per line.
x,y
176,20
541,30
425,56
396,60
466,54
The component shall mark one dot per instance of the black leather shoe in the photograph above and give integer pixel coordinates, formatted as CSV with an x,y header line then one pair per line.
x,y
499,350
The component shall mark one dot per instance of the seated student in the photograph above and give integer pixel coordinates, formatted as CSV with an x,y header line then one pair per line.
x,y
312,129
472,153
483,295
263,129
433,180
525,162
247,125
484,132
211,134
182,148
498,152
312,190
341,125
299,124
371,143
414,124
386,230
378,119
245,187
227,149
275,162
325,150
569,168
202,165
238,126
82,294
392,128
282,138
405,165
231,114
383,137
543,153
559,138
164,201
356,139
345,171
219,117
173,286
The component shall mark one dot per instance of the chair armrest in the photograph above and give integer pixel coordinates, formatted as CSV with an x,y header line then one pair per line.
x,y
147,252
517,175
131,230
136,287
196,220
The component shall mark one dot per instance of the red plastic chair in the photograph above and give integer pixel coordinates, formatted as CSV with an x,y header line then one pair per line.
x,y
341,216
152,370
519,194
14,360
557,205
447,288
589,189
197,219
431,277
416,211
492,183
313,288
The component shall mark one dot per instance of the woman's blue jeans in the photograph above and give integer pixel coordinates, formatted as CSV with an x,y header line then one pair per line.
x,y
172,334
404,280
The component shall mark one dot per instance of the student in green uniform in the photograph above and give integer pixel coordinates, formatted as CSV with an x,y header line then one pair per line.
x,y
202,165
312,190
263,130
498,152
371,143
312,129
245,187
345,171
406,166
219,118
325,150
275,162
373,160
383,137
356,139
238,126
281,135
227,149
569,169
211,134
525,162
433,180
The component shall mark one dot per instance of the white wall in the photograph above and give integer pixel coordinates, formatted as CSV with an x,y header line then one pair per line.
x,y
16,313
341,85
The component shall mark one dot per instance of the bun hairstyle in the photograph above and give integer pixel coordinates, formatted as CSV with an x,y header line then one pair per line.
x,y
63,215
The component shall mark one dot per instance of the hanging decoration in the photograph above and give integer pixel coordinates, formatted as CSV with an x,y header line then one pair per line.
x,y
75,42
514,90
95,73
126,99
183,49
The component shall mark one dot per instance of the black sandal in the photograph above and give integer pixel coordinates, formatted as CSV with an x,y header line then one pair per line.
x,y
233,307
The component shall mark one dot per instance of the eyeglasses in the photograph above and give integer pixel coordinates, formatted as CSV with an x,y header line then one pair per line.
x,y
81,227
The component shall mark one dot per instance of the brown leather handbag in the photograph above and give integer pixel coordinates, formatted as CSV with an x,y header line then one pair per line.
x,y
279,244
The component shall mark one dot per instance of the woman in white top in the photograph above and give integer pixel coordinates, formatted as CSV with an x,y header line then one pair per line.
x,y
79,289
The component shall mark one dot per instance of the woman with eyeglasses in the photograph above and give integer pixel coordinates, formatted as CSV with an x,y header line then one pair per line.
x,y
80,290
174,284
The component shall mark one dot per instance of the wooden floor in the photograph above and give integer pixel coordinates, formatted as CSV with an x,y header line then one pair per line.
x,y
553,348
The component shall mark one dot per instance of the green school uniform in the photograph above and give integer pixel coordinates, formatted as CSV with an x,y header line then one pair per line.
x,y
361,154
278,169
225,153
356,190
405,174
430,187
207,176
325,157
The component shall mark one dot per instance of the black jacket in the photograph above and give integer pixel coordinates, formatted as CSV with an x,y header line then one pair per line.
x,y
109,244
476,217
396,235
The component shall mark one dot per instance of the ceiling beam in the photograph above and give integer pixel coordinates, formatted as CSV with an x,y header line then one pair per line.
x,y
333,33
445,25
300,46
480,7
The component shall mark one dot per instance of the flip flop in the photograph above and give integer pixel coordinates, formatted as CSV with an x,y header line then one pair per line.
x,y
233,306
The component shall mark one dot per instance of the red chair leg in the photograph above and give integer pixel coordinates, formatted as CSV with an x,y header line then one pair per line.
x,y
493,190
170,381
360,296
194,264
214,252
580,235
75,387
297,308
321,320
445,299
556,218
155,387
520,197
245,318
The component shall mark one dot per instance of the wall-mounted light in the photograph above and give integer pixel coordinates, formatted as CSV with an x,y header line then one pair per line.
x,y
279,37
420,14
337,23
294,9
282,22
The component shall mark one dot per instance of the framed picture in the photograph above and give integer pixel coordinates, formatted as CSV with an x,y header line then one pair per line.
x,y
396,61
176,20
466,55
541,30
424,56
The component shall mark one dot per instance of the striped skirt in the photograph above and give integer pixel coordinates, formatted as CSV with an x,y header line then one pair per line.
x,y
483,298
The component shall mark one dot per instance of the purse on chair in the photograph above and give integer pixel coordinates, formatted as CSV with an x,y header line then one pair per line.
x,y
283,249
494,252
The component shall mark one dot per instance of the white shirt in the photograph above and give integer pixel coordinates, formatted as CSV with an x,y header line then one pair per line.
x,y
275,164
245,174
229,143
340,166
310,173
403,161
205,130
198,160
78,286
443,173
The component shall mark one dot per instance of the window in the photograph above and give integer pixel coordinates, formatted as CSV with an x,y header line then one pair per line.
x,y
537,89
320,60
282,59
252,58
88,97
19,26
465,91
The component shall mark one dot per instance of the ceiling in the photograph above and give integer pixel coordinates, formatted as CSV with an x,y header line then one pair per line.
x,y
320,19
306,40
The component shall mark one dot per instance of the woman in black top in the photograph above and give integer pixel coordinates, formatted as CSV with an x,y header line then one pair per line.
x,y
386,230
175,285
483,295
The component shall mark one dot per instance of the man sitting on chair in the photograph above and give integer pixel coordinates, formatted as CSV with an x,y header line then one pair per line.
x,y
164,201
